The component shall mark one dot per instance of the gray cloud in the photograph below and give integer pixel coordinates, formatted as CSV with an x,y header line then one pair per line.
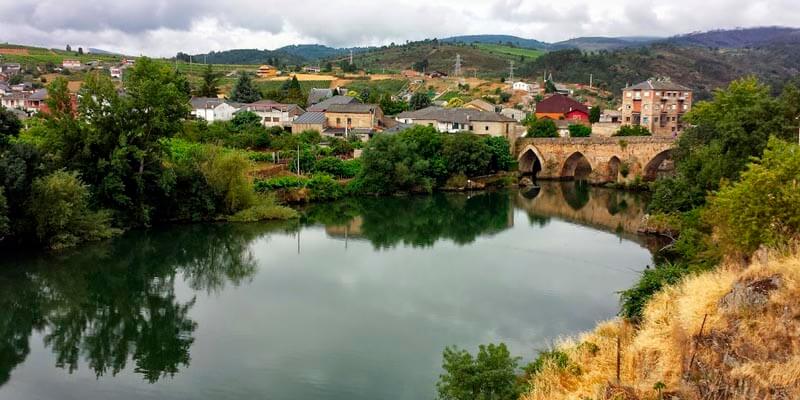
x,y
162,27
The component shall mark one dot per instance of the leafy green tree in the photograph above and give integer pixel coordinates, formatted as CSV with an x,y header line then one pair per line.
x,y
499,148
490,375
466,153
579,130
594,114
10,125
244,90
419,100
294,93
724,134
549,86
245,119
543,128
762,207
632,130
4,221
209,86
59,205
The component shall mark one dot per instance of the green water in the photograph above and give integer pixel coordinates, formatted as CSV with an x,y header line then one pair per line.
x,y
355,301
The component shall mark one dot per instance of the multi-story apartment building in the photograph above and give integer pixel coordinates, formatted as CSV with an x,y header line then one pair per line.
x,y
658,105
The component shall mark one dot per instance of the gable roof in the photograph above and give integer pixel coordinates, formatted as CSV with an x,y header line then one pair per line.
x,y
323,105
560,104
454,115
39,94
205,102
311,117
315,95
481,105
270,105
658,84
354,108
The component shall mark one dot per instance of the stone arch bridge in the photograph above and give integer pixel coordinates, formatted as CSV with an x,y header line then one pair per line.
x,y
595,159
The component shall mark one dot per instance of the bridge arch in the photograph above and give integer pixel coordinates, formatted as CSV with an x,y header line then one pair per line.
x,y
652,167
530,160
576,166
614,164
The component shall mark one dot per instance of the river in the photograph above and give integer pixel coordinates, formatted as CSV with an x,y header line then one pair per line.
x,y
356,300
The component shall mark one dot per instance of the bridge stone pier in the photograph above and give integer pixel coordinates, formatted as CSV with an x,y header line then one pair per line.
x,y
595,159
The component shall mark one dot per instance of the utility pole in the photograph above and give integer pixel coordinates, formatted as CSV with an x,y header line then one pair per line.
x,y
591,77
298,164
351,56
457,68
511,72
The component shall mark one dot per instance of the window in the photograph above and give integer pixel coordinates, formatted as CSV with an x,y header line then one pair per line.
x,y
658,94
655,119
628,106
685,107
644,120
349,121
486,128
627,119
646,94
646,107
630,94
470,127
338,121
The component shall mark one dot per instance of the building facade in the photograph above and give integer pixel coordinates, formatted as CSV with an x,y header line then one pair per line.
x,y
658,105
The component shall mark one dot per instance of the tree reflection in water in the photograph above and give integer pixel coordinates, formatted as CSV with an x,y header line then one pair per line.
x,y
113,302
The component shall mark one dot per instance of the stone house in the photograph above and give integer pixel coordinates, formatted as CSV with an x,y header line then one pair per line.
x,y
453,120
273,113
658,105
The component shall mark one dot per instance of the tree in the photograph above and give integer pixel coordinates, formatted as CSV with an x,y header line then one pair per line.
x,y
69,48
594,114
501,154
761,208
9,124
466,154
549,86
491,374
59,206
294,92
80,50
419,100
244,90
209,88
543,128
505,97
579,130
245,119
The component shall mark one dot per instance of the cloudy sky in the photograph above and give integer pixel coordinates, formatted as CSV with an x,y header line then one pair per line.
x,y
164,27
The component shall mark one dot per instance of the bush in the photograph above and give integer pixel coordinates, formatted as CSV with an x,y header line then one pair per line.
x,y
579,130
324,187
634,299
466,153
329,165
59,206
542,128
281,182
265,208
632,130
556,358
763,208
491,374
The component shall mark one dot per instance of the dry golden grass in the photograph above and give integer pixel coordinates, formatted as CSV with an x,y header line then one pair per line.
x,y
745,351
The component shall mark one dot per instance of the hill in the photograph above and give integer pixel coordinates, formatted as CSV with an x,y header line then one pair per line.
x,y
597,43
498,39
739,38
246,56
701,68
476,58
313,52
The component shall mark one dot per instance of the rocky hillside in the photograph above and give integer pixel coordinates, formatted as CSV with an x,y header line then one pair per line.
x,y
729,334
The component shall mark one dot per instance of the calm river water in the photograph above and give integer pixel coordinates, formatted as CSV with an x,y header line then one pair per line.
x,y
356,300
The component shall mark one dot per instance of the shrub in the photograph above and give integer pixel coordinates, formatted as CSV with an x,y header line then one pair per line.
x,y
632,130
258,156
324,187
329,165
542,128
351,168
634,299
579,130
59,206
265,208
556,358
281,182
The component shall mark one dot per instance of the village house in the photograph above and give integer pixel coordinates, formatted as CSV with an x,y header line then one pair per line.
x,y
71,64
611,116
451,120
267,71
35,101
309,121
116,72
212,109
14,100
5,88
355,118
481,105
10,69
316,95
323,105
513,113
273,113
311,69
560,107
658,105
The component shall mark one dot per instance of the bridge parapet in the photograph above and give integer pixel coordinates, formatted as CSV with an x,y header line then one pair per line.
x,y
597,159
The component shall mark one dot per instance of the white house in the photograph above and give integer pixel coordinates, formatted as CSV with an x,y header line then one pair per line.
x,y
273,113
116,72
71,64
522,86
211,109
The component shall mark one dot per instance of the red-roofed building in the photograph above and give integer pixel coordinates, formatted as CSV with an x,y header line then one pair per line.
x,y
558,107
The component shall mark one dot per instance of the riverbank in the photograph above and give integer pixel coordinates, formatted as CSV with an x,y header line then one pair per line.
x,y
729,333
